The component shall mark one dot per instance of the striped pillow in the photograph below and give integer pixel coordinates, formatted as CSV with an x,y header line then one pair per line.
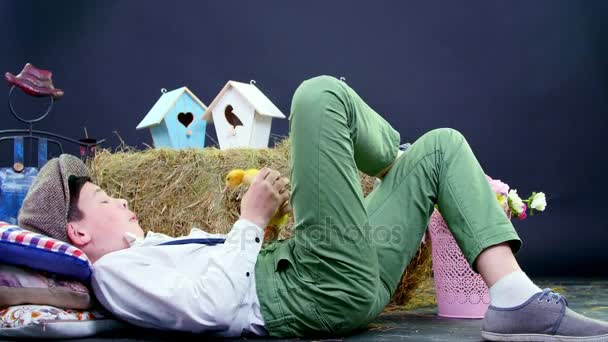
x,y
22,247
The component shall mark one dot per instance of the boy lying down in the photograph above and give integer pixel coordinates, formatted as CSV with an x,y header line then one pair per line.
x,y
347,255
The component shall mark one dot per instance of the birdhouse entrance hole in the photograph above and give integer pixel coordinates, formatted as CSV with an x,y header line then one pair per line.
x,y
185,118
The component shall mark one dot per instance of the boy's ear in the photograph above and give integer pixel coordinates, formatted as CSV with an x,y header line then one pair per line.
x,y
79,236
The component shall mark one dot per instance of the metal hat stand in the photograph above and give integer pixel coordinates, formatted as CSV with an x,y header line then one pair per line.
x,y
42,138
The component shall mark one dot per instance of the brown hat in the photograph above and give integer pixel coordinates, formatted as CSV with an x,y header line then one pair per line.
x,y
46,205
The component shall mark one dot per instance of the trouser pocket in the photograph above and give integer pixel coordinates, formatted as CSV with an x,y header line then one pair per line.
x,y
324,325
299,262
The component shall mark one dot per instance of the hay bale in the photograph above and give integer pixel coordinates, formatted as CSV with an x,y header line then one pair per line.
x,y
174,190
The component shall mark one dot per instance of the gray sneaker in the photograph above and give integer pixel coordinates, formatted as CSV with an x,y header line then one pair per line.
x,y
543,317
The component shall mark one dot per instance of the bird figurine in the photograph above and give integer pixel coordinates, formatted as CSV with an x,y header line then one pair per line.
x,y
235,178
232,119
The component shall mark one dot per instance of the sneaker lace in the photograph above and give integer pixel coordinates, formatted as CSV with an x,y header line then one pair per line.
x,y
551,295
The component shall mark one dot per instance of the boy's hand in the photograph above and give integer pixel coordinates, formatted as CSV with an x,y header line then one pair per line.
x,y
265,195
286,208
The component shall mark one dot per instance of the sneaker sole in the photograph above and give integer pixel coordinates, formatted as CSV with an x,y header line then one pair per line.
x,y
541,337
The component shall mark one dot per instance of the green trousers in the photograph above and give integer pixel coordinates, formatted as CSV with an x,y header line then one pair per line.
x,y
347,255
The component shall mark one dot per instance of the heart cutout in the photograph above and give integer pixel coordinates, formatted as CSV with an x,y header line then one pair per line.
x,y
232,119
185,118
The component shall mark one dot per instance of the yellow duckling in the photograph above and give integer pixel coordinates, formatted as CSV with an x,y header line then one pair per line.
x,y
235,178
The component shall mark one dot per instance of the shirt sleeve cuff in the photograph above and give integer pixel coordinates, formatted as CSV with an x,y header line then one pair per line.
x,y
243,223
247,238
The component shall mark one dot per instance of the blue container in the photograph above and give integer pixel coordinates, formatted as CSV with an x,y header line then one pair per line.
x,y
13,188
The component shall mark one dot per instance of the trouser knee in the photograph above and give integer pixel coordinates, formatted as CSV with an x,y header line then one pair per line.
x,y
445,137
311,93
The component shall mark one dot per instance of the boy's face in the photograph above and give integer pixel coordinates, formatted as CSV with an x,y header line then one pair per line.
x,y
104,222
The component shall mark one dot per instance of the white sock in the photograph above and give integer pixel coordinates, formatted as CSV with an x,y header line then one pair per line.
x,y
512,290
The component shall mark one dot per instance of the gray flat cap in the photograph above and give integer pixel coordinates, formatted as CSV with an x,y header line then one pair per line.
x,y
45,207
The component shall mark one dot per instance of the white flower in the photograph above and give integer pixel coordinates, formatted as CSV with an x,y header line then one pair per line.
x,y
515,202
539,202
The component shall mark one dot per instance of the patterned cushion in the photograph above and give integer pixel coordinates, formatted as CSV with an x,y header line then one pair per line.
x,y
50,322
20,285
21,315
24,248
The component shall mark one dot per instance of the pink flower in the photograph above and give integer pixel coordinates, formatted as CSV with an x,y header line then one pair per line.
x,y
498,186
523,214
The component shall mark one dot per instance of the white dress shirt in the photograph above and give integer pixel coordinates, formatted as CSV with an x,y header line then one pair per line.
x,y
189,287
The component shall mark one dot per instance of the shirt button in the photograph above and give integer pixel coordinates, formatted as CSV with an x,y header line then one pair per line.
x,y
257,239
247,274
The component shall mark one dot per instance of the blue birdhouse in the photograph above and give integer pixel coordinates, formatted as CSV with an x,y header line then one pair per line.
x,y
175,120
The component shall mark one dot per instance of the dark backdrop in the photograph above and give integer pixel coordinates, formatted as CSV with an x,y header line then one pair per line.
x,y
524,81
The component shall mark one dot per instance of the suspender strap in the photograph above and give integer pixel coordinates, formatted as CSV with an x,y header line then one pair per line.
x,y
210,241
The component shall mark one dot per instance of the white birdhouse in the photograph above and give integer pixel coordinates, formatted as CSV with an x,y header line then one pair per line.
x,y
242,116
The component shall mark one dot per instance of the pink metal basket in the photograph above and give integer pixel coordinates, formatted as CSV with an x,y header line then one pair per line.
x,y
460,292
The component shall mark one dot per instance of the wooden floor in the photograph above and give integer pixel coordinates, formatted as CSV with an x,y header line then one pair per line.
x,y
586,296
